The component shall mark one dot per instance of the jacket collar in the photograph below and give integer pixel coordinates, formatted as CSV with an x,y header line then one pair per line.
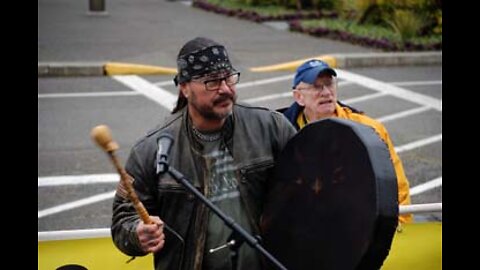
x,y
292,113
295,109
227,131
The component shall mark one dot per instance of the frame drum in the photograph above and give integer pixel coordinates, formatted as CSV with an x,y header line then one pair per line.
x,y
333,201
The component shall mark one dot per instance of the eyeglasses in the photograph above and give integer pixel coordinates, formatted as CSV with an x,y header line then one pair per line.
x,y
319,87
214,84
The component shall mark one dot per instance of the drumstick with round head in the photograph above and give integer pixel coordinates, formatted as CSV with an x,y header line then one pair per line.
x,y
102,136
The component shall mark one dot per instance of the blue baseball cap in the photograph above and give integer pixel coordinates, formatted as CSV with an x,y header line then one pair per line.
x,y
309,71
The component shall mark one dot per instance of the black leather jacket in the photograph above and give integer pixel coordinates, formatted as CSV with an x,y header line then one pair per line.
x,y
255,137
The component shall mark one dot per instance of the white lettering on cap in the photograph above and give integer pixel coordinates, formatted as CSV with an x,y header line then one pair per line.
x,y
315,63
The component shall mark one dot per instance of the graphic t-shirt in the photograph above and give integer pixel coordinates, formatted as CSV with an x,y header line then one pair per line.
x,y
224,193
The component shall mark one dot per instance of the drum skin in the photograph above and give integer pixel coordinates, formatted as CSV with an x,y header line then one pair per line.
x,y
333,200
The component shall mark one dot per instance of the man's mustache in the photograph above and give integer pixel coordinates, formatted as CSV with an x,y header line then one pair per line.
x,y
223,98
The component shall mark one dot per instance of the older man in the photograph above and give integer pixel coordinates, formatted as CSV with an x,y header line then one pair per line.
x,y
315,94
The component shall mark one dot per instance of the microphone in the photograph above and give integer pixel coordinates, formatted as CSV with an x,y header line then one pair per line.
x,y
164,146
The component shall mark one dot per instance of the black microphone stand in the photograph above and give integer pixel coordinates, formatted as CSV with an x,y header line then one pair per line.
x,y
163,167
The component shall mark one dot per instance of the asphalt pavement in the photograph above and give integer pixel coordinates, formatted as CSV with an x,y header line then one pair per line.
x,y
74,42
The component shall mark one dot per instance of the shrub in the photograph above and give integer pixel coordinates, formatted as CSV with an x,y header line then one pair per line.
x,y
406,24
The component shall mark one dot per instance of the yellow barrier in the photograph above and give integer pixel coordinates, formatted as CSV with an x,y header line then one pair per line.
x,y
93,254
418,246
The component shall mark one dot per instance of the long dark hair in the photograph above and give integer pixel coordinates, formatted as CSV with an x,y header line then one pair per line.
x,y
181,102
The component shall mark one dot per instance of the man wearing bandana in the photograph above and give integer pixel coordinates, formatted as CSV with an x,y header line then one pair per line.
x,y
226,150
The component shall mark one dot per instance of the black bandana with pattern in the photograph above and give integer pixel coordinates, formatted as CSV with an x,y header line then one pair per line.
x,y
203,61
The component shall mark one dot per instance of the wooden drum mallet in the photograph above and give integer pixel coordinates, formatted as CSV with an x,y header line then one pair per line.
x,y
102,136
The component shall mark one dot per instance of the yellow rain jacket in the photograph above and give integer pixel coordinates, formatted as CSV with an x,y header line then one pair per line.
x,y
403,186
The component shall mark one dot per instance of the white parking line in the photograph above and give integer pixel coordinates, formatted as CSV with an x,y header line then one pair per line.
x,y
157,93
289,77
265,81
76,204
240,85
151,91
419,143
89,94
426,186
167,100
363,98
402,114
340,84
390,89
164,83
268,97
416,83
63,180
273,96
88,179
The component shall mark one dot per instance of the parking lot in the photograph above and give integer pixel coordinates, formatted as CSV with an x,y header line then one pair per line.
x,y
76,180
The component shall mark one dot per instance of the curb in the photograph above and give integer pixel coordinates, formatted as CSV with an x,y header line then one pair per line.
x,y
116,68
355,60
347,60
79,69
66,69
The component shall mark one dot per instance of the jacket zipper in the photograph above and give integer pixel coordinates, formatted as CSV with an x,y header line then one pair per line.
x,y
181,241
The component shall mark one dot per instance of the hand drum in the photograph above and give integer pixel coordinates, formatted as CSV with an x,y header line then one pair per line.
x,y
333,199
